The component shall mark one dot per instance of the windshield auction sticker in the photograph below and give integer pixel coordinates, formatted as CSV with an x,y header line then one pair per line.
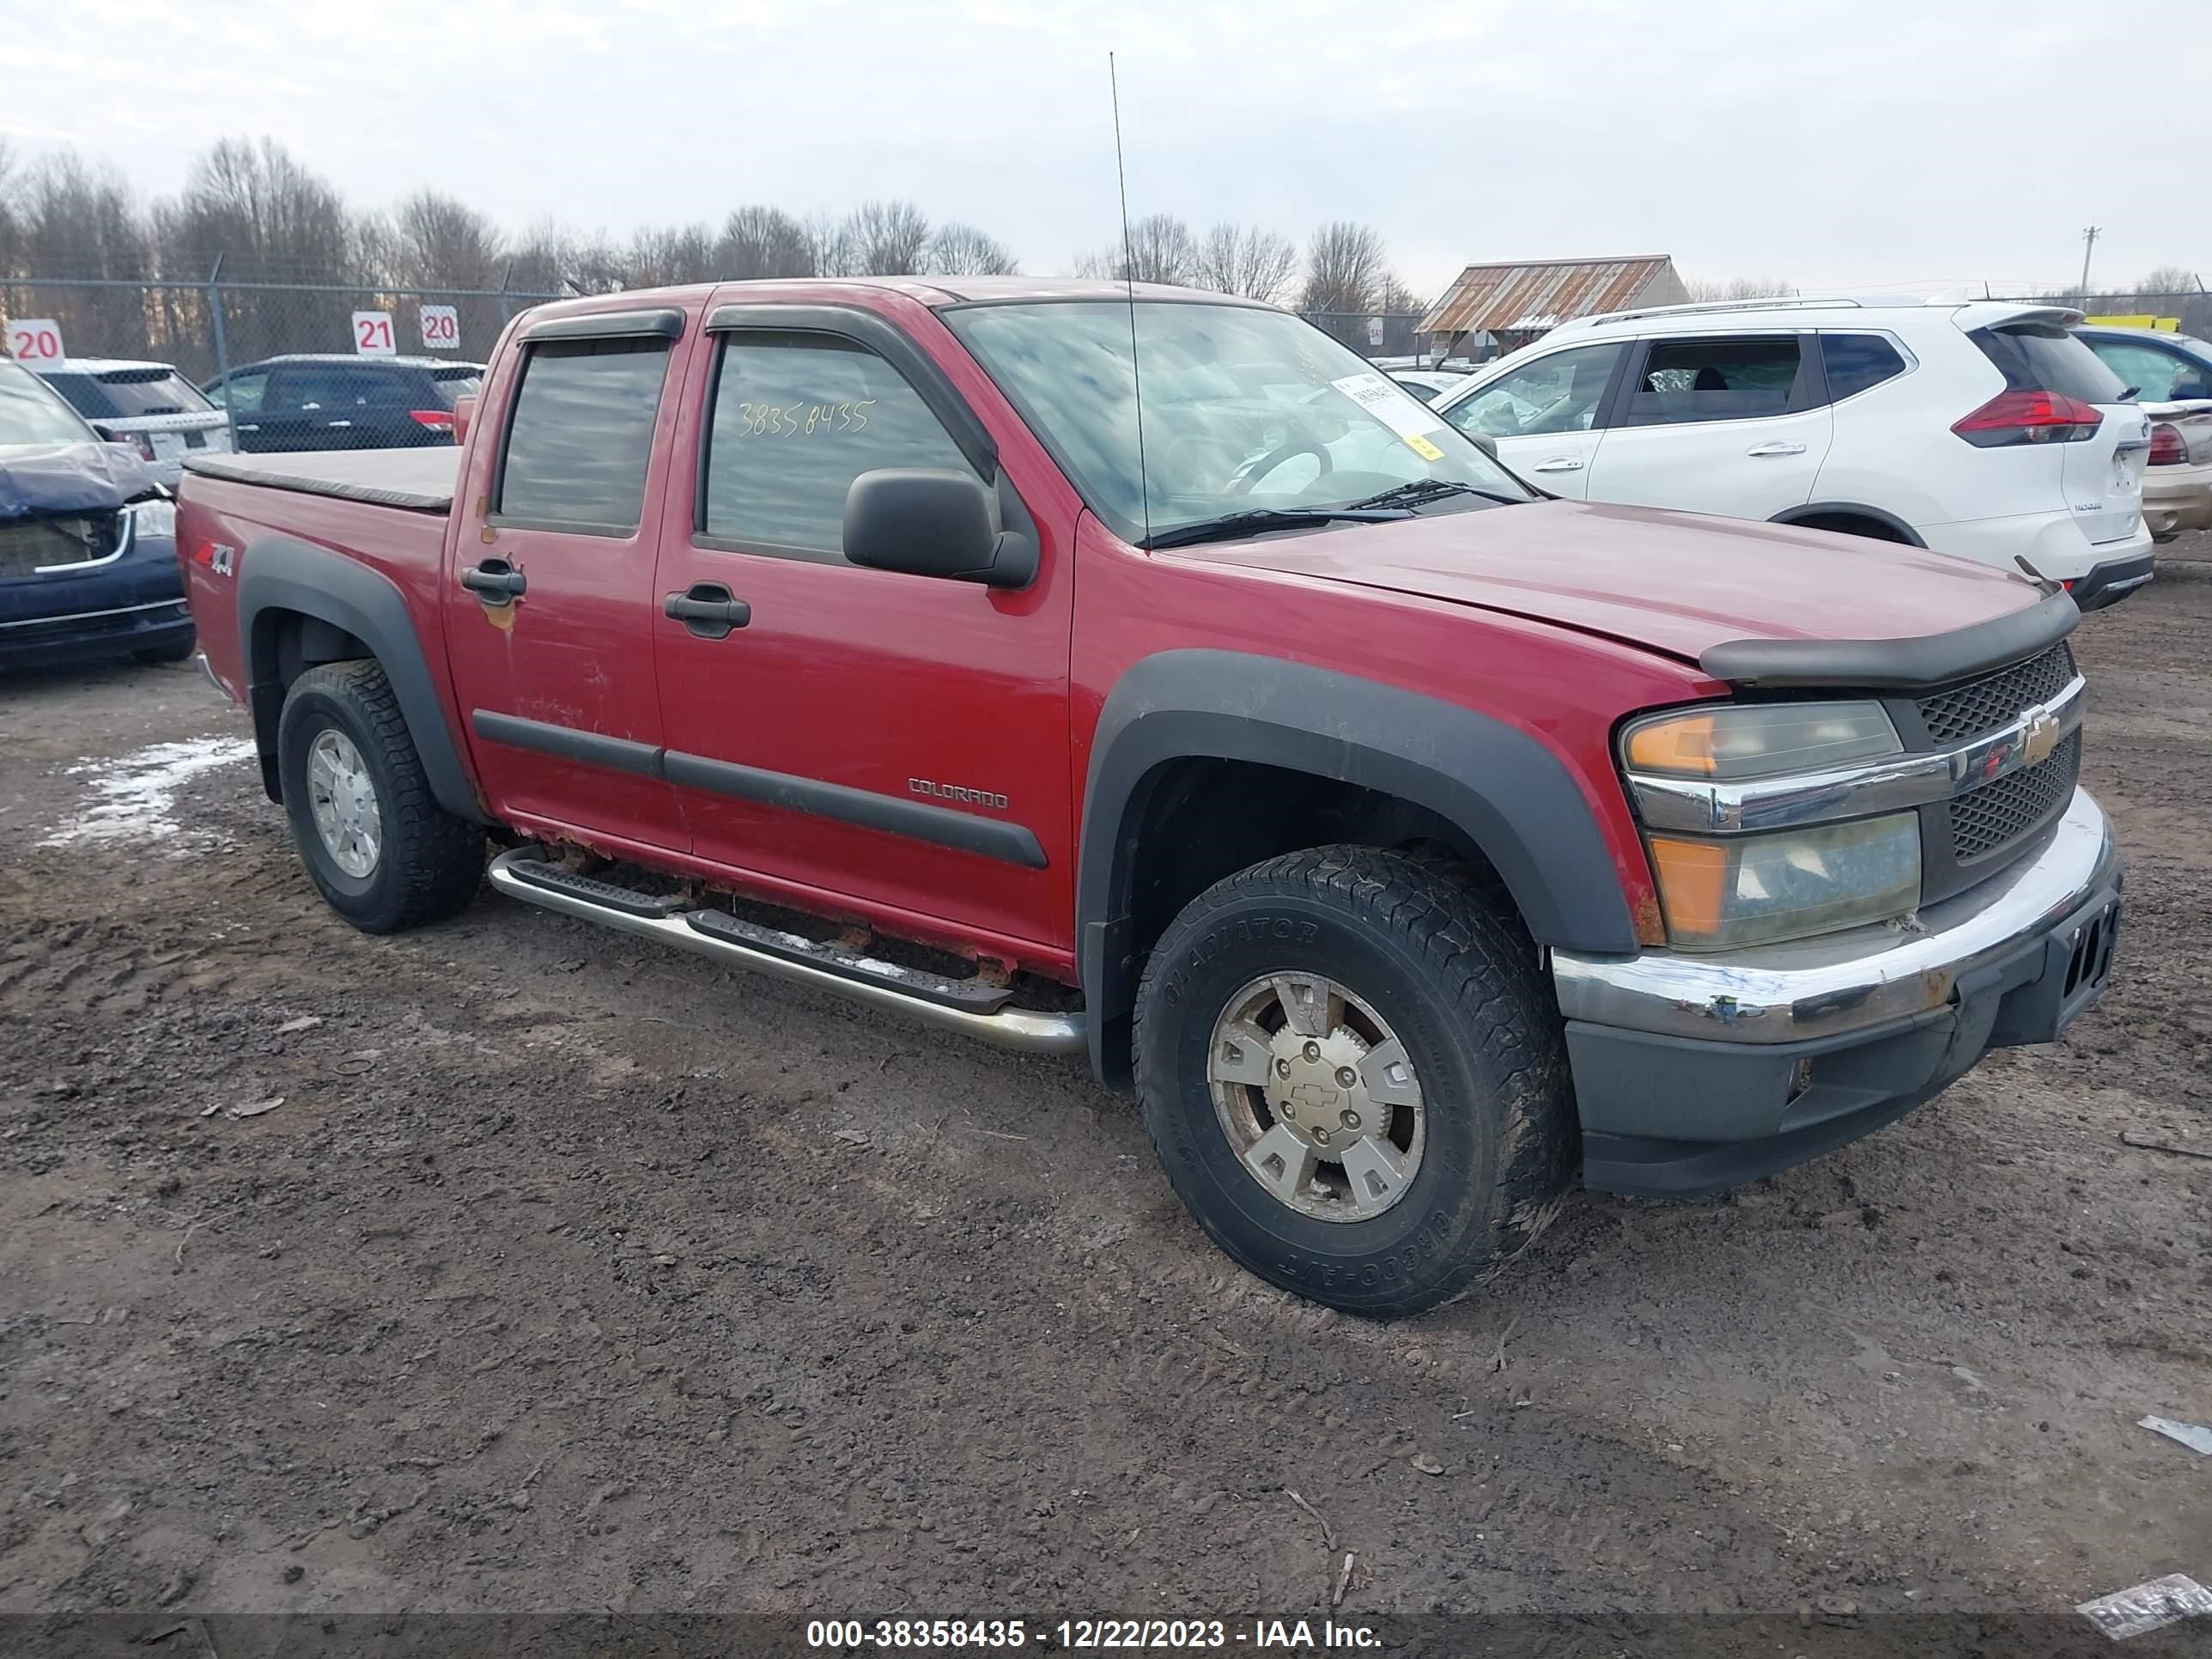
x,y
1409,418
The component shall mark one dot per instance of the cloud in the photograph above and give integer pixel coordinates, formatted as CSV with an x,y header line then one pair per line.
x,y
1846,141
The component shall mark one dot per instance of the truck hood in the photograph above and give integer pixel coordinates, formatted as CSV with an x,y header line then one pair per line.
x,y
87,477
1676,582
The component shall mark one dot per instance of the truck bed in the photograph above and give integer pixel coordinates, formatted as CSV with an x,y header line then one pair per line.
x,y
418,480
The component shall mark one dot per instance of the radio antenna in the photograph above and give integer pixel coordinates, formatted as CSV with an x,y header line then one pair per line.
x,y
1129,287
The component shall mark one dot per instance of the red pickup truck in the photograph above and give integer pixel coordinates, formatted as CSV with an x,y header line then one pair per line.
x,y
1142,673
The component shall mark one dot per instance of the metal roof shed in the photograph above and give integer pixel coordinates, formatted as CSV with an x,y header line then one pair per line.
x,y
1515,303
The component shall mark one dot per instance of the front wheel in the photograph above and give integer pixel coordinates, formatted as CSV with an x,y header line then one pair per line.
x,y
384,854
1356,1078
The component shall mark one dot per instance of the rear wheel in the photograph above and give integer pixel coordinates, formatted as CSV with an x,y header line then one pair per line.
x,y
384,854
1356,1078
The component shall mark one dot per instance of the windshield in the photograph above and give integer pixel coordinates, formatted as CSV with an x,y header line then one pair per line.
x,y
1243,408
32,413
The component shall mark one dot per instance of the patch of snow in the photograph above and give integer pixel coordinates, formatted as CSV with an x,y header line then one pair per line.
x,y
133,798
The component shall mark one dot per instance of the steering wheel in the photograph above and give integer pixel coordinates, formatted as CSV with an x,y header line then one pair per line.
x,y
1274,458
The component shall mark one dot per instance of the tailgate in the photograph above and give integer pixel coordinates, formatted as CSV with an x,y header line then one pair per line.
x,y
2104,476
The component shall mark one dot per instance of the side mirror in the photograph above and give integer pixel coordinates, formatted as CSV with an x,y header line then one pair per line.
x,y
464,410
929,521
1485,442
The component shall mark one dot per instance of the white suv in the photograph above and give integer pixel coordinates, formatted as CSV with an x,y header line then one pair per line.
x,y
1981,429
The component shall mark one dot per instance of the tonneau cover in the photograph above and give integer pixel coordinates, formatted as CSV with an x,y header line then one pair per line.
x,y
420,480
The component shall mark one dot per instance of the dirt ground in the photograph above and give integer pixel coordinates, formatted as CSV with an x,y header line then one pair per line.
x,y
569,1273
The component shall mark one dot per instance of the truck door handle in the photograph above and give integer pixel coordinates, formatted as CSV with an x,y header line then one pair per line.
x,y
1557,464
709,610
1777,447
495,581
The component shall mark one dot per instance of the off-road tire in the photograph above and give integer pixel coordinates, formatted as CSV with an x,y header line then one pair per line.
x,y
431,862
1456,977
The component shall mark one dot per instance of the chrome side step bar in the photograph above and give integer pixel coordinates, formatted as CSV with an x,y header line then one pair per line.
x,y
964,1006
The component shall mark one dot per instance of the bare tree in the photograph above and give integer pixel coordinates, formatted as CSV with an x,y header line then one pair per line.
x,y
1246,260
2166,279
439,241
270,218
661,257
1703,290
833,251
763,241
887,239
1346,268
76,219
550,257
10,232
960,250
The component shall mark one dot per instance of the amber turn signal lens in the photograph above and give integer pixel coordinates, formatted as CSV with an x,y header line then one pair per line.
x,y
1684,745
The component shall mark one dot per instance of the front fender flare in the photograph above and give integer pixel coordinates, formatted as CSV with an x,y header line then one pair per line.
x,y
281,573
1507,792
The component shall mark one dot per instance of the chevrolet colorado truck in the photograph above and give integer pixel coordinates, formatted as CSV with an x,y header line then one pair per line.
x,y
1137,671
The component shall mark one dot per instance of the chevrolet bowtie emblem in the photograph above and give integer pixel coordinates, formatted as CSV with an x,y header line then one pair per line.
x,y
2040,735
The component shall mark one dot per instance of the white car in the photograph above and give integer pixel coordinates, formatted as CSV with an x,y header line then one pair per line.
x,y
1427,384
1981,428
148,406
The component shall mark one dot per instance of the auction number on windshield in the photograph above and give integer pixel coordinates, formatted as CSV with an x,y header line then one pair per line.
x,y
803,420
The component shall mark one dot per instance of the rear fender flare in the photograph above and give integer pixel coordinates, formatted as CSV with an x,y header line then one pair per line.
x,y
1511,796
1904,531
281,574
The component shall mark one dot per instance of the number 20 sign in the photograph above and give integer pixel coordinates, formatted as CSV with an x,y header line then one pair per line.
x,y
371,334
442,328
34,340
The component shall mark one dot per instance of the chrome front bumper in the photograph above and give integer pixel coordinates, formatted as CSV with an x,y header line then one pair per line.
x,y
1846,982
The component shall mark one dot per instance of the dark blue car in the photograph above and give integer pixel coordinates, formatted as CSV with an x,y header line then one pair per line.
x,y
87,541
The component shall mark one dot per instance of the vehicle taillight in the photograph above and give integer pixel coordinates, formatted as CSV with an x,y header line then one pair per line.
x,y
2029,417
2166,448
437,419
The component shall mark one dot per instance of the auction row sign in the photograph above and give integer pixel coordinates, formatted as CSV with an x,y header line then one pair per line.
x,y
373,335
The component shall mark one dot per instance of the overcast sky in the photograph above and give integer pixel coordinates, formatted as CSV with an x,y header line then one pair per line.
x,y
1917,142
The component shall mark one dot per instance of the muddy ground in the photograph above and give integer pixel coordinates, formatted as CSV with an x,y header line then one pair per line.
x,y
572,1274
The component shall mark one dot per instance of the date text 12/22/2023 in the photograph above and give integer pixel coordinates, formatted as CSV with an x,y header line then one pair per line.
x,y
1086,1634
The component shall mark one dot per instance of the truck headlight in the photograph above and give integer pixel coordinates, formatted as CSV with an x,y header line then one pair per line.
x,y
1730,742
155,518
1755,890
1718,892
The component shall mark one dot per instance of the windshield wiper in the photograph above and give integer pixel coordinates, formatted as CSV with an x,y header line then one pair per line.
x,y
1429,489
1230,526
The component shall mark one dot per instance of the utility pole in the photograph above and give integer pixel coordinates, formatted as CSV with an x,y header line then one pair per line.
x,y
2088,246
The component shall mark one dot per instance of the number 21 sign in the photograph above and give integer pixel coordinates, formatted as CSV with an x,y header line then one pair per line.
x,y
371,334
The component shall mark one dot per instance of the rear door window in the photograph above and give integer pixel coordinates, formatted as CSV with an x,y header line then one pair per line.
x,y
2044,357
1856,361
2152,372
332,387
1719,379
581,435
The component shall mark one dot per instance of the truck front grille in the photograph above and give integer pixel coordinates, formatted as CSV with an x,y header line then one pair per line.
x,y
30,545
1969,710
1987,821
